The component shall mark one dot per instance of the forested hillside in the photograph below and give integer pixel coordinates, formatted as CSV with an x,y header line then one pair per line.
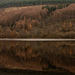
x,y
14,3
28,18
40,21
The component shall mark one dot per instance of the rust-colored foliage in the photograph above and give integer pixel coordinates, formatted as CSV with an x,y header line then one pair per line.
x,y
33,22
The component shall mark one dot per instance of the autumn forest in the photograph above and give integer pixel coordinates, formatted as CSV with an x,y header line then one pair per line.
x,y
35,19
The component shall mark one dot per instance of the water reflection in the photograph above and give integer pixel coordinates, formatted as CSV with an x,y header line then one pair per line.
x,y
38,56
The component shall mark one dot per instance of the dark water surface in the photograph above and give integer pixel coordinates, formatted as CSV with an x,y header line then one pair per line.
x,y
25,58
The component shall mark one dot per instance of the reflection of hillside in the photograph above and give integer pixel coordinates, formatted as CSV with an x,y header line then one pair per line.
x,y
36,55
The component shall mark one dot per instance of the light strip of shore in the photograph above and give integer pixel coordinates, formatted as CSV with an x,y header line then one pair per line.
x,y
37,39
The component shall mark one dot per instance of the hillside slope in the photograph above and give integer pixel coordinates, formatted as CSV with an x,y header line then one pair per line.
x,y
35,22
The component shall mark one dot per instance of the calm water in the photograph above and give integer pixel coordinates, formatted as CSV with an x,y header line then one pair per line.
x,y
17,58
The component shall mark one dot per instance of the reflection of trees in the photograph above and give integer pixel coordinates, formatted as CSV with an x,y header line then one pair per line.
x,y
43,53
18,50
67,50
34,49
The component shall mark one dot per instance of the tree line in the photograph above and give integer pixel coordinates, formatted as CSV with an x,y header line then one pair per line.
x,y
16,3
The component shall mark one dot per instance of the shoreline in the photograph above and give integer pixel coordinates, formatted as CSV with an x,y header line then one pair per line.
x,y
32,71
33,39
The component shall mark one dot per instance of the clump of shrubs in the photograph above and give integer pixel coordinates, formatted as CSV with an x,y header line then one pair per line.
x,y
53,8
50,9
62,6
